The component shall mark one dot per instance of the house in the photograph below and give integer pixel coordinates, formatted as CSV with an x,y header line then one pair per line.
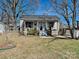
x,y
2,28
66,30
77,30
7,21
44,25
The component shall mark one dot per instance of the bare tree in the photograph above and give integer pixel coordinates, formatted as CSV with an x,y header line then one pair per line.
x,y
67,11
15,8
74,16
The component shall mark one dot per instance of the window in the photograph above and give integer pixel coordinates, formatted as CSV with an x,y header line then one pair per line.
x,y
29,24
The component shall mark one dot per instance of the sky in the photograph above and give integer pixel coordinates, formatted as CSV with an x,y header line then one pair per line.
x,y
45,5
45,9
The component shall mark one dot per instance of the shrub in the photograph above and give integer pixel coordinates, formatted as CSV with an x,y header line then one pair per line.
x,y
32,31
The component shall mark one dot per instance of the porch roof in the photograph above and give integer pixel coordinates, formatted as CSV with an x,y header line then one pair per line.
x,y
39,18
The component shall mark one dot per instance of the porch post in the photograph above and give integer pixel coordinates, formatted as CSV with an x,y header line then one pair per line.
x,y
46,25
37,25
24,25
58,25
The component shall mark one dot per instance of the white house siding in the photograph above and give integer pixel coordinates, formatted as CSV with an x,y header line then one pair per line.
x,y
55,29
76,34
2,28
21,22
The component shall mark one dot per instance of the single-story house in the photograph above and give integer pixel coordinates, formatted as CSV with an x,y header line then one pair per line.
x,y
43,24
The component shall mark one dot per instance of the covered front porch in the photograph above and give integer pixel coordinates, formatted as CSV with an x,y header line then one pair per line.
x,y
42,28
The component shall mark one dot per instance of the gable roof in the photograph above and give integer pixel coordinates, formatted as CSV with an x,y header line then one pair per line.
x,y
39,18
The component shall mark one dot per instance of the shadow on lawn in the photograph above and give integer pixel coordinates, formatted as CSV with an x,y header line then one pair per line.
x,y
59,38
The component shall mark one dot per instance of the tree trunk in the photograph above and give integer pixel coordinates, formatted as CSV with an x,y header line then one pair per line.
x,y
71,32
74,18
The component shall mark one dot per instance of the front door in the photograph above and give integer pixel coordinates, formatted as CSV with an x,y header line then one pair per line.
x,y
50,25
42,29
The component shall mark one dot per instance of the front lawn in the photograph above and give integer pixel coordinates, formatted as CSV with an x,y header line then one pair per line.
x,y
31,47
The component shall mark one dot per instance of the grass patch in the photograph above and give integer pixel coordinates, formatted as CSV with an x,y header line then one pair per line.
x,y
34,47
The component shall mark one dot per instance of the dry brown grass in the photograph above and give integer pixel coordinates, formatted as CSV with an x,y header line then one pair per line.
x,y
34,47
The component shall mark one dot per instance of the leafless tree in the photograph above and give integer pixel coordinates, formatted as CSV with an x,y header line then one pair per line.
x,y
15,8
67,11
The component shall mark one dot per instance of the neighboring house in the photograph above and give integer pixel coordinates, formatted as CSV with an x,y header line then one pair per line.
x,y
77,30
66,30
2,28
8,21
43,24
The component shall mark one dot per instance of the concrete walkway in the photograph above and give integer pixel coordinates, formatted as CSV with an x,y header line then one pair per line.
x,y
50,37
